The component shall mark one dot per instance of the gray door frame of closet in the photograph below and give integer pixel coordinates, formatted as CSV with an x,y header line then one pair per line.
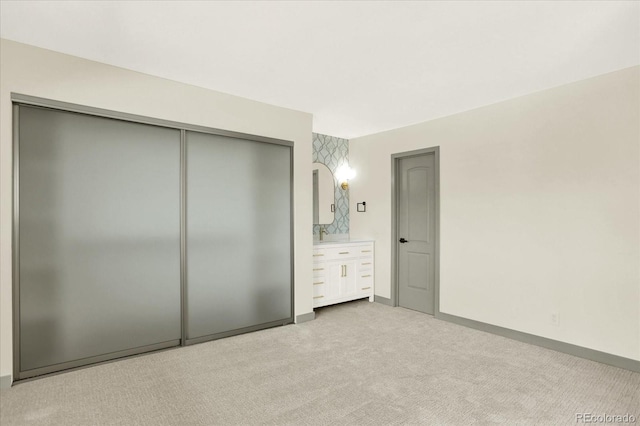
x,y
32,101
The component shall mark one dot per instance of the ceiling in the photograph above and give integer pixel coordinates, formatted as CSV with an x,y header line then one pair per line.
x,y
359,67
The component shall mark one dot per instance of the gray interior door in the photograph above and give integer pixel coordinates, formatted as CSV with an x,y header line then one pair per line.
x,y
99,239
416,233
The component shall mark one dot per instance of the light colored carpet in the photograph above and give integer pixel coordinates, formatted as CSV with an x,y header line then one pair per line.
x,y
357,363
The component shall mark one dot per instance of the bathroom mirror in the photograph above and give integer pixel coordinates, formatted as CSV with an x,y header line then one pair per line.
x,y
323,194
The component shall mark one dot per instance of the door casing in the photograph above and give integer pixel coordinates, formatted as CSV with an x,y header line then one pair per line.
x,y
395,205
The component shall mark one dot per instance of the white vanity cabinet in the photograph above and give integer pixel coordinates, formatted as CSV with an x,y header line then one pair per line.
x,y
342,271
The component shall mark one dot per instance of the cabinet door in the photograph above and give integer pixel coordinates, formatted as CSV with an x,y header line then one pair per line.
x,y
333,279
348,279
341,278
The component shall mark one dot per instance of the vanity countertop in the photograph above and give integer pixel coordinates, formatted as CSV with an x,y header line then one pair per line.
x,y
328,243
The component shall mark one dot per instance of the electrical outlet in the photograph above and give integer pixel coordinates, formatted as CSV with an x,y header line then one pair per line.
x,y
555,319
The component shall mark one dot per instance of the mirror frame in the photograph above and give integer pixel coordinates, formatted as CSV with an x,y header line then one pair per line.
x,y
324,187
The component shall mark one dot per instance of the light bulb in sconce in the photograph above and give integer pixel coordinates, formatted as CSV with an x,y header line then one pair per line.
x,y
344,174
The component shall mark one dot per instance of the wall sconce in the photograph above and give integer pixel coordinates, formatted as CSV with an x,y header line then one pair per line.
x,y
343,174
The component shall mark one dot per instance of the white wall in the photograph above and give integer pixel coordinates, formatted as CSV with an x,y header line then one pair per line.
x,y
37,72
540,210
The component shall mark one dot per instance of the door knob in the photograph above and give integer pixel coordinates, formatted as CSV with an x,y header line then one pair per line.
x,y
402,240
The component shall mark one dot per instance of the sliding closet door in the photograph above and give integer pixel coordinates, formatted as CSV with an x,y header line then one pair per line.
x,y
238,235
99,239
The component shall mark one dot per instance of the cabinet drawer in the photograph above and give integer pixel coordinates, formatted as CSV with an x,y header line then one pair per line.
x,y
318,281
365,282
338,253
319,255
365,265
365,251
319,270
318,291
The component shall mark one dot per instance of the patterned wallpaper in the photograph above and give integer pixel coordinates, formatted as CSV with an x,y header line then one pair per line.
x,y
333,152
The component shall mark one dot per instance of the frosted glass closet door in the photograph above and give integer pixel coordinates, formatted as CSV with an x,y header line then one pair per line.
x,y
238,234
99,243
